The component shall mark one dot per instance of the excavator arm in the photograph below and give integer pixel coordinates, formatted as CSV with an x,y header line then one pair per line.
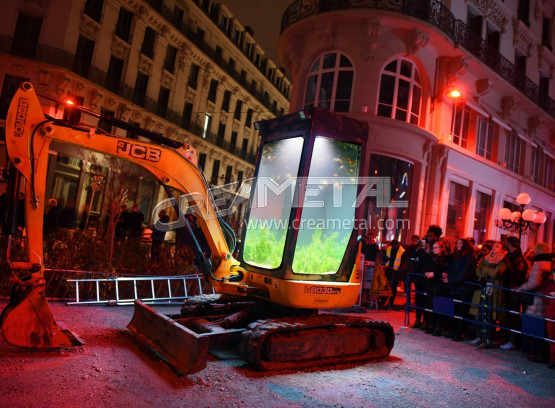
x,y
29,134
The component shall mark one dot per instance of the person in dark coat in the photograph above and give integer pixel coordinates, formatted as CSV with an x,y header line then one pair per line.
x,y
370,249
550,314
461,270
135,223
422,262
122,224
51,217
538,279
435,286
516,275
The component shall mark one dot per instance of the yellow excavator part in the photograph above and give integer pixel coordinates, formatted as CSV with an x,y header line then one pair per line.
x,y
28,322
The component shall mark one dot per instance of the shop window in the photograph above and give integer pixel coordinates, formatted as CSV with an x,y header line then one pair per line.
x,y
207,125
215,173
460,124
139,93
201,161
148,43
513,152
228,173
225,101
193,76
484,137
248,120
123,26
177,18
115,71
386,222
213,90
481,216
93,9
400,92
187,115
169,62
238,108
83,56
456,210
330,82
221,135
524,11
549,174
26,36
163,100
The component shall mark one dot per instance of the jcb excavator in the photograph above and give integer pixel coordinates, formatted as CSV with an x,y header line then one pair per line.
x,y
300,252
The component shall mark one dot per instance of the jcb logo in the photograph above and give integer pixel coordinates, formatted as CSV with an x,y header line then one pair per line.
x,y
21,117
139,151
322,290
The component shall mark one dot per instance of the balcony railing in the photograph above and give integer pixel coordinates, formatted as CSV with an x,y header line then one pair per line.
x,y
438,15
64,59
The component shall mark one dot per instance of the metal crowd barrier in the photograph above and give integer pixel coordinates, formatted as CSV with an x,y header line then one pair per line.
x,y
531,325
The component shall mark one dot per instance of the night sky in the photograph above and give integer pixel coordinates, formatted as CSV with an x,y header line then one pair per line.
x,y
264,16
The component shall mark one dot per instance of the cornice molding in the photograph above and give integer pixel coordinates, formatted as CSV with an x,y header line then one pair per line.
x,y
493,11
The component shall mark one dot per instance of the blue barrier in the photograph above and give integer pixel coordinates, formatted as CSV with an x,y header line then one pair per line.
x,y
531,325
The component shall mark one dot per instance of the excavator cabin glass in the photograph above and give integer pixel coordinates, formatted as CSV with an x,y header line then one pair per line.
x,y
274,195
327,218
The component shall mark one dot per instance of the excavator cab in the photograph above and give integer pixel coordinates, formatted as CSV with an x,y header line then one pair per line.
x,y
305,211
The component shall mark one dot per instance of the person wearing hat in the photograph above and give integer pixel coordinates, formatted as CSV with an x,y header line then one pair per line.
x,y
540,276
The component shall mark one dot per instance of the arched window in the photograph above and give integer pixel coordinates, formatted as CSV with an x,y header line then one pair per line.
x,y
400,92
330,83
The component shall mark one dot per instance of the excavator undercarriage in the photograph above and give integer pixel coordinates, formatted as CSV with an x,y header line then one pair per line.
x,y
263,335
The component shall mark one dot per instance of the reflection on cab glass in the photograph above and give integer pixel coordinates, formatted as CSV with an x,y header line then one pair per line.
x,y
271,204
328,213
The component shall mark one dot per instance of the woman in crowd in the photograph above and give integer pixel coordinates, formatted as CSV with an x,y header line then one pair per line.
x,y
461,270
434,284
537,281
490,272
422,264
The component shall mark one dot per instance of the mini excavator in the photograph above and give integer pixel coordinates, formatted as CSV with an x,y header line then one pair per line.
x,y
299,258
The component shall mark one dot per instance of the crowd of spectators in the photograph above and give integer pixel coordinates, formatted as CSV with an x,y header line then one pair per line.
x,y
495,277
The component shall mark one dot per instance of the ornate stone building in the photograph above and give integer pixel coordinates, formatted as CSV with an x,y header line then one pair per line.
x,y
456,160
184,68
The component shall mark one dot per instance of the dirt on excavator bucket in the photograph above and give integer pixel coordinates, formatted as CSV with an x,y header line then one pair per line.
x,y
28,322
182,348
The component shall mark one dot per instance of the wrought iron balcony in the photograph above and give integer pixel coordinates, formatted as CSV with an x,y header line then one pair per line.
x,y
438,15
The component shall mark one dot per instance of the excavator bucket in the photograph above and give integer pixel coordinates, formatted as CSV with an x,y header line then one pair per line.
x,y
182,348
27,321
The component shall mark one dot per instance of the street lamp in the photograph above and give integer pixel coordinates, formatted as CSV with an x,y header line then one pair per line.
x,y
521,220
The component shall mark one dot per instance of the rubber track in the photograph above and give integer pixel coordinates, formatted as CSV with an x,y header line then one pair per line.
x,y
257,333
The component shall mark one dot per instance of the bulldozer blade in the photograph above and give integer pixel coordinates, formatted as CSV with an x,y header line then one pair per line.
x,y
27,321
182,348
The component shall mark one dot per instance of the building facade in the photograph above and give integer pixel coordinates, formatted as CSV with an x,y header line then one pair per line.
x,y
184,68
456,160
